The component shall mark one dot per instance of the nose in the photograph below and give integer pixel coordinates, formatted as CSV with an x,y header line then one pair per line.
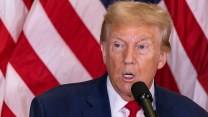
x,y
129,57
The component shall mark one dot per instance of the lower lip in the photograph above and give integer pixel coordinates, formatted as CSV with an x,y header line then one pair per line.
x,y
128,79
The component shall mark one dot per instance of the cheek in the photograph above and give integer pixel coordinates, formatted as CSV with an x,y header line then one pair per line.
x,y
148,64
153,62
147,71
113,61
114,56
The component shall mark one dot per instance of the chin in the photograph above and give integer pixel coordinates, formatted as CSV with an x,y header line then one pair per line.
x,y
126,91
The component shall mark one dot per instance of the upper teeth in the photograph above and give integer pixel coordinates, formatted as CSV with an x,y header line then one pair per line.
x,y
128,76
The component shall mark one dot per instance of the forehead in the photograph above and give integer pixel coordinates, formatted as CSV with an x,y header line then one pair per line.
x,y
134,32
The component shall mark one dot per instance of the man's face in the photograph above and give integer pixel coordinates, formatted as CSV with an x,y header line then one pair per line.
x,y
131,54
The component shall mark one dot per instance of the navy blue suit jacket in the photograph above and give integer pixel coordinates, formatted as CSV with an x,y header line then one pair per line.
x,y
90,99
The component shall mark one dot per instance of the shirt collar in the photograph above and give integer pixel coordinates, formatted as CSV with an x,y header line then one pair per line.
x,y
116,102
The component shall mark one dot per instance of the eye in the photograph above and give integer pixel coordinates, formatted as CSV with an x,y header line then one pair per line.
x,y
143,48
117,45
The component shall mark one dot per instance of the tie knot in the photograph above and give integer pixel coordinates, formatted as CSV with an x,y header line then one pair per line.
x,y
133,108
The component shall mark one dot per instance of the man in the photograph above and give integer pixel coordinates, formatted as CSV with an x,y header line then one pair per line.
x,y
134,43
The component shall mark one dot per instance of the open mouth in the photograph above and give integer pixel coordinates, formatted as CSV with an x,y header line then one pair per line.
x,y
128,75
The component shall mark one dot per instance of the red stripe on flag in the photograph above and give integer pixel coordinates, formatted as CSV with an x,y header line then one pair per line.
x,y
31,69
192,37
165,79
6,112
28,3
6,47
76,35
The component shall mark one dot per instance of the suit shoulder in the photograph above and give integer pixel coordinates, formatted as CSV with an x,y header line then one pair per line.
x,y
71,90
68,99
178,103
169,94
172,97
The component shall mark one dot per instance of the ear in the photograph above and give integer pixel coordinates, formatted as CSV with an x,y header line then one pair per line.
x,y
103,50
163,59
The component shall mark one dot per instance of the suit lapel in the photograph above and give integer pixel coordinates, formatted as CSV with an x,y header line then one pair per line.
x,y
99,105
98,101
163,108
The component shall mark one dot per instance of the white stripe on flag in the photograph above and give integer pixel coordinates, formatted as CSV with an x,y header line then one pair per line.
x,y
2,89
91,13
13,14
199,9
51,48
17,96
183,70
200,97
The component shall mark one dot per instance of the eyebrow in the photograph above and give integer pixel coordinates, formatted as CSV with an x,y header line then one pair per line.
x,y
142,38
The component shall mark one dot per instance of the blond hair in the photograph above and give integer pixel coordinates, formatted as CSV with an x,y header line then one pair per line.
x,y
129,12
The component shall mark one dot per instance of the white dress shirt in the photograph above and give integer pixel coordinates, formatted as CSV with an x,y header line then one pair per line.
x,y
117,103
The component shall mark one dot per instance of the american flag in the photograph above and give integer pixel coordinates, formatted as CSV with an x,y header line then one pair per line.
x,y
45,43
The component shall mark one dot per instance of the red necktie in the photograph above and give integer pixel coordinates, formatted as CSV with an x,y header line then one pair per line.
x,y
133,108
